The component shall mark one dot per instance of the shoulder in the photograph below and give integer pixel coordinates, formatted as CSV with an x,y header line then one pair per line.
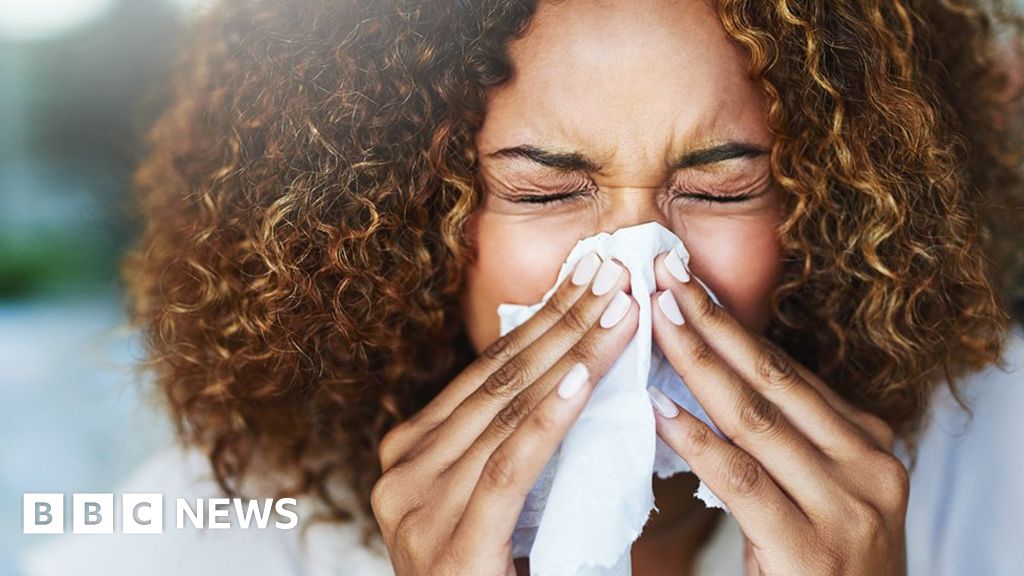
x,y
966,508
318,548
998,382
995,399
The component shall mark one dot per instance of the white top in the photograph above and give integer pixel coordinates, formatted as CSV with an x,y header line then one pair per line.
x,y
966,513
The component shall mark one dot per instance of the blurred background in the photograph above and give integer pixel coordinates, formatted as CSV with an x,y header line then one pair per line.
x,y
79,81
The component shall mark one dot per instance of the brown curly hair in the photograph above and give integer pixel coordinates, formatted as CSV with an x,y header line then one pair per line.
x,y
305,197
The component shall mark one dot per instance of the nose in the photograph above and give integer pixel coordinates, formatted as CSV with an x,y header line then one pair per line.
x,y
631,206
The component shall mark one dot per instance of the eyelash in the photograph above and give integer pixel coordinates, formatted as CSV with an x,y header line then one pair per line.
x,y
569,196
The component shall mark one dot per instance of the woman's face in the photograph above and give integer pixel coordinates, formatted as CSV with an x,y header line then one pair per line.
x,y
629,112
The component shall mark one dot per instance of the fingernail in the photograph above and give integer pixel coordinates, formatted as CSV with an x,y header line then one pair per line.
x,y
615,311
684,254
607,275
573,381
676,266
667,303
663,404
585,269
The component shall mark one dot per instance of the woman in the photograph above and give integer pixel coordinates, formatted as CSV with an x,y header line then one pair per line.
x,y
342,194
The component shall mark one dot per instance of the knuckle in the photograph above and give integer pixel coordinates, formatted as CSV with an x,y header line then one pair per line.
x,y
408,535
895,481
500,350
388,447
698,438
509,417
745,476
708,312
703,355
774,368
506,379
863,520
585,351
500,471
759,416
559,304
575,318
394,445
381,499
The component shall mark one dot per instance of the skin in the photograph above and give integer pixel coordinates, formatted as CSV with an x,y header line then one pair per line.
x,y
584,83
618,84
790,434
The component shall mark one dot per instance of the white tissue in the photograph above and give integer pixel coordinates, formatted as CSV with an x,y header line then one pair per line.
x,y
595,494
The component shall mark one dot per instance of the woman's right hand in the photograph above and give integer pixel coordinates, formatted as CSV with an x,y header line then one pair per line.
x,y
457,473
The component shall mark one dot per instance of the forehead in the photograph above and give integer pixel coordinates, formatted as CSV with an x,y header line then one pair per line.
x,y
636,77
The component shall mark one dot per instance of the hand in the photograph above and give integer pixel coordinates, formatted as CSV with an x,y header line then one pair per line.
x,y
810,479
456,475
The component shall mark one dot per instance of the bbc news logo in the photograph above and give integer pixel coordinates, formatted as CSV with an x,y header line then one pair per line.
x,y
144,513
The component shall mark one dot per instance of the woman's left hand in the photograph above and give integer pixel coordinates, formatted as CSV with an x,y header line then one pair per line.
x,y
810,479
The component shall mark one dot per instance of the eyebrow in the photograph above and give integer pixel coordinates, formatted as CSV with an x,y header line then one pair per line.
x,y
574,161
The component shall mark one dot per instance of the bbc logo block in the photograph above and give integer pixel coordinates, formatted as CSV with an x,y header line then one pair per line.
x,y
43,514
142,513
93,513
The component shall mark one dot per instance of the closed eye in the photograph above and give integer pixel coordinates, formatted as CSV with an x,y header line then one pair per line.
x,y
694,196
717,199
549,198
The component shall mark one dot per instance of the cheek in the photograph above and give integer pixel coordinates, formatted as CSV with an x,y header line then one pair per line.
x,y
515,262
739,261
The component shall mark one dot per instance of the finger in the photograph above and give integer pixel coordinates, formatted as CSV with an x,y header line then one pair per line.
x,y
736,477
742,413
566,296
506,393
750,558
597,350
573,304
871,427
513,468
817,411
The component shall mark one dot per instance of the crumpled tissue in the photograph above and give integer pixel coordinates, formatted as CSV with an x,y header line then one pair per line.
x,y
595,494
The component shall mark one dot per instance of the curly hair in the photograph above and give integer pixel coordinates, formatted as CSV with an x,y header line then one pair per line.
x,y
305,197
